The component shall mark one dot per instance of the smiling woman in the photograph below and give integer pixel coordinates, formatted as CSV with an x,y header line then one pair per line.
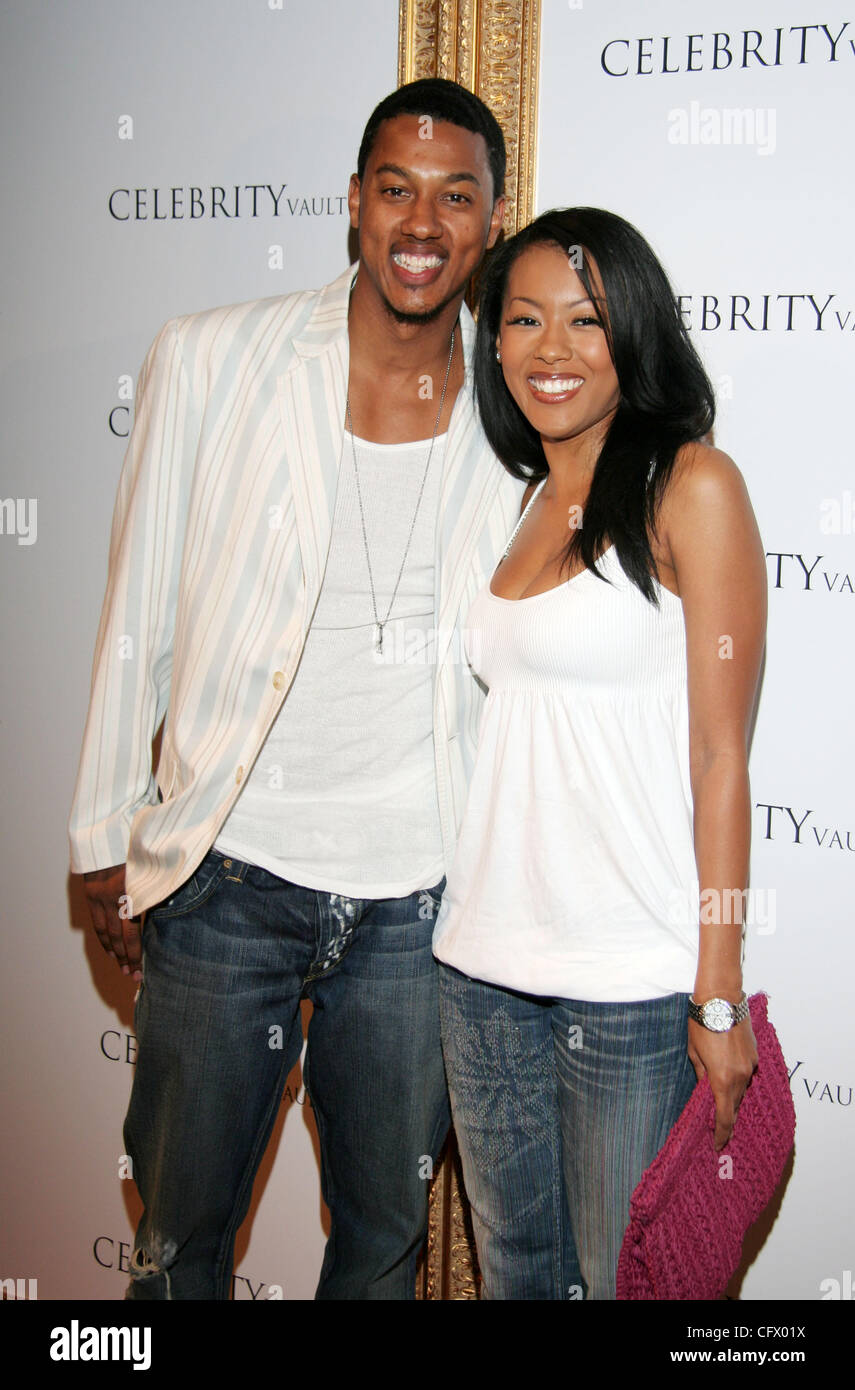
x,y
611,776
554,350
619,453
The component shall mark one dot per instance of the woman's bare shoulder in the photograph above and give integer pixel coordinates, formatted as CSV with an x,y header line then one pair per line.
x,y
705,481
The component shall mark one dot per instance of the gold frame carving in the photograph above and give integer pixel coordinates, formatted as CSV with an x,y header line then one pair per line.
x,y
448,1265
493,48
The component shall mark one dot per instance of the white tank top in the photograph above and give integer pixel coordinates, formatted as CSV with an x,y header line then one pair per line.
x,y
342,797
575,869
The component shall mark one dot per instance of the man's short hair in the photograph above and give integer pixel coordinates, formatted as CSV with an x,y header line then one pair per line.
x,y
442,101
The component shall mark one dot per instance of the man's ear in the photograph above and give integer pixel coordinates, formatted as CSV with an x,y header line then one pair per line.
x,y
496,219
353,201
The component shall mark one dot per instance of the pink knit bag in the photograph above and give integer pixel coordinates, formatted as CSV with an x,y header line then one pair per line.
x,y
690,1211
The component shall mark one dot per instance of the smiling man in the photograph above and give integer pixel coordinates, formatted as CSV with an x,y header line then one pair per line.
x,y
307,508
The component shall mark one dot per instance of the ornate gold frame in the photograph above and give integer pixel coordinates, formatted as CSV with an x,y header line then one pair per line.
x,y
493,48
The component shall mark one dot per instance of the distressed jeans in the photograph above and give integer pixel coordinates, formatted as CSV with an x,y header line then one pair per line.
x,y
559,1105
226,962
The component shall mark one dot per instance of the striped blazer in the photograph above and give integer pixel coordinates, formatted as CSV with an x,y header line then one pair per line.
x,y
217,553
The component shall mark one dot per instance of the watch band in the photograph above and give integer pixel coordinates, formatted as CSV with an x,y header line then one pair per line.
x,y
718,1015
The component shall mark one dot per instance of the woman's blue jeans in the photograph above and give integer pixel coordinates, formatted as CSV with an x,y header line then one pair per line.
x,y
226,962
559,1106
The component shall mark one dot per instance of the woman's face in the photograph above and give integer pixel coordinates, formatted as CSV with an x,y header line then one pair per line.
x,y
554,352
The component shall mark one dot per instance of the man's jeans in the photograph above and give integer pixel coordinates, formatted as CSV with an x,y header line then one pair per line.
x,y
226,961
559,1105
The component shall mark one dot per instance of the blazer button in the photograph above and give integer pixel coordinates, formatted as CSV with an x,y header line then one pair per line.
x,y
278,679
239,773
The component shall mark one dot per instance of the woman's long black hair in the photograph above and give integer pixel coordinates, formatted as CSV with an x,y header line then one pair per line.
x,y
666,399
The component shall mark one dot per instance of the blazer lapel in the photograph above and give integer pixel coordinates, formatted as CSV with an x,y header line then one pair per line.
x,y
312,396
471,480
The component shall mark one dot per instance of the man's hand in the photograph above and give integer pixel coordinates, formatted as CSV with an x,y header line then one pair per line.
x,y
112,917
729,1060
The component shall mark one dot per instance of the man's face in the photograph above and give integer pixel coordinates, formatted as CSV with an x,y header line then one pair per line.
x,y
425,214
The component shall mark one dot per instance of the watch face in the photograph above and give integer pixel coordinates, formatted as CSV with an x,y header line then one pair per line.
x,y
717,1015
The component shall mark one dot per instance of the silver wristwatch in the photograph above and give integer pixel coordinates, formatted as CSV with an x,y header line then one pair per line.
x,y
718,1015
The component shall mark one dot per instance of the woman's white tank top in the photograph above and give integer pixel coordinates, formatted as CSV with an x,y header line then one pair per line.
x,y
575,871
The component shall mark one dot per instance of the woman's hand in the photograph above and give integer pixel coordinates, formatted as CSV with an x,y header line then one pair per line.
x,y
729,1060
712,546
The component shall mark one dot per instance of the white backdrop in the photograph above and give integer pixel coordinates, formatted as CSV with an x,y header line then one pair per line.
x,y
758,233
133,100
211,95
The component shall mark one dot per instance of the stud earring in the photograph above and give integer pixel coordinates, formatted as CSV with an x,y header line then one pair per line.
x,y
498,355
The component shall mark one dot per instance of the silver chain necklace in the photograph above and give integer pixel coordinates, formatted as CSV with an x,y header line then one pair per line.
x,y
378,623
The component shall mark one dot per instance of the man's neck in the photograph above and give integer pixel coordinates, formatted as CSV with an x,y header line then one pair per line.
x,y
399,371
380,343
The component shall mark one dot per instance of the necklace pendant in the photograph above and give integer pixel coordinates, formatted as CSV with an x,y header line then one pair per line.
x,y
378,626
